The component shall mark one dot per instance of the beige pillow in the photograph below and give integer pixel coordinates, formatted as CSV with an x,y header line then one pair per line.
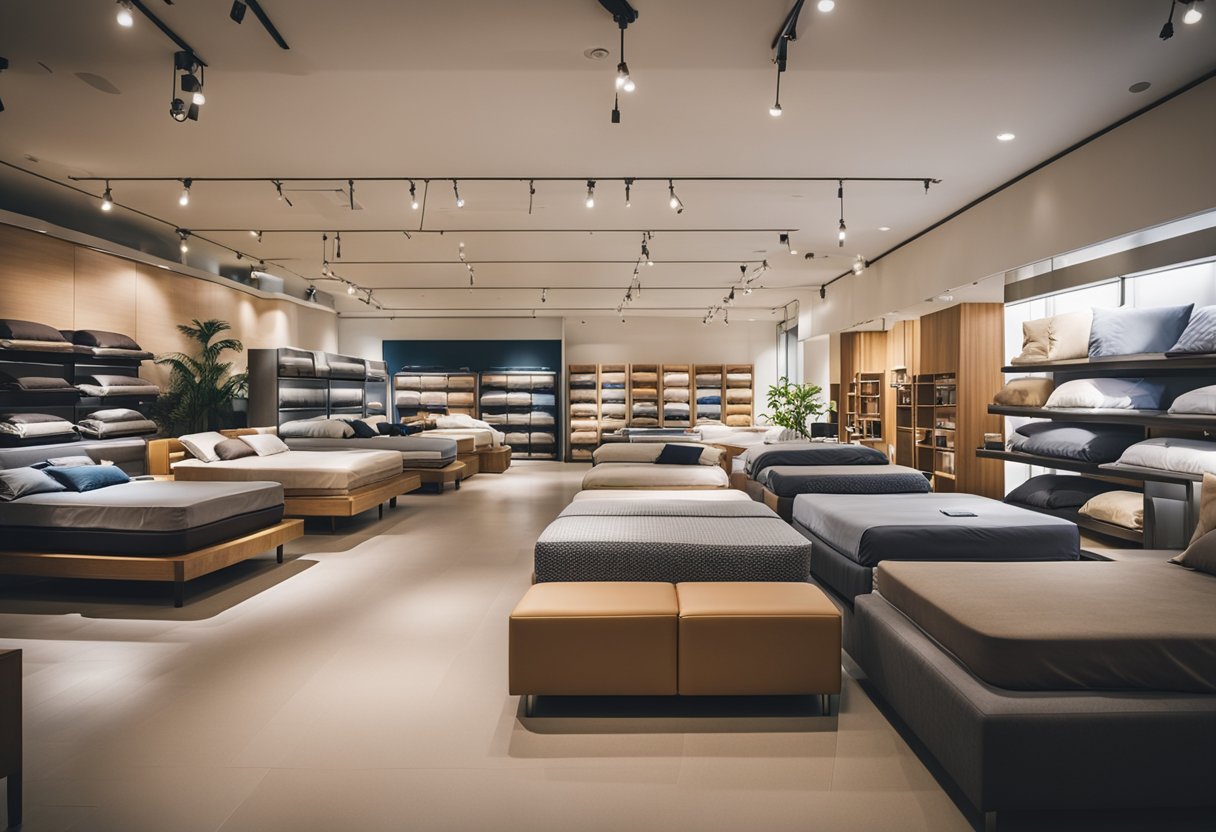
x,y
1068,335
1024,392
1119,508
1035,341
1207,508
1200,555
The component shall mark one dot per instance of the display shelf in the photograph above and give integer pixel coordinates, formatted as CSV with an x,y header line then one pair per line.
x,y
522,402
583,396
864,409
418,391
1138,418
739,377
675,395
708,383
1108,469
334,384
1141,364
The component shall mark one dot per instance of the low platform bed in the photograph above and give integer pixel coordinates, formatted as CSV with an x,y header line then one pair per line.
x,y
780,484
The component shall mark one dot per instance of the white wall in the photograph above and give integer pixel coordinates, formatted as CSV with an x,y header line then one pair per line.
x,y
817,362
1154,169
363,337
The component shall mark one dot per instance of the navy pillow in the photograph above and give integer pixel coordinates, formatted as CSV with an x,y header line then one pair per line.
x,y
1131,331
362,429
20,482
679,455
1200,333
388,429
1068,440
89,477
1059,491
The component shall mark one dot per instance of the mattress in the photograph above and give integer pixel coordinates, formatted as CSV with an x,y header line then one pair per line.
x,y
759,457
792,480
651,475
711,495
415,451
141,517
1091,625
482,437
114,352
877,527
301,473
670,540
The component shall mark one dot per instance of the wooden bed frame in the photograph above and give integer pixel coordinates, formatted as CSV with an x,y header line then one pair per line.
x,y
495,460
175,568
452,473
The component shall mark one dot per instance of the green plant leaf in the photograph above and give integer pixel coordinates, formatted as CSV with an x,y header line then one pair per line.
x,y
201,387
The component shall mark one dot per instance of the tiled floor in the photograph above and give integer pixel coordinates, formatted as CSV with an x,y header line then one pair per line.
x,y
362,686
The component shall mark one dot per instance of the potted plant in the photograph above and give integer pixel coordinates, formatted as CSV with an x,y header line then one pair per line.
x,y
794,406
201,387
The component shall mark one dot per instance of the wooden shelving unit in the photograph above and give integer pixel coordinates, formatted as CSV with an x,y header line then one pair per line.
x,y
645,405
528,415
288,383
614,397
863,420
676,397
738,377
433,391
704,386
583,395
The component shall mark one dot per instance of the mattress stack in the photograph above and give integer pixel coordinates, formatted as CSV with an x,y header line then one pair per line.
x,y
584,410
644,393
435,392
707,393
524,406
677,407
737,401
614,412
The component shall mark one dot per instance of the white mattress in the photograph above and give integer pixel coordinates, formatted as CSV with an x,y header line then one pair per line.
x,y
482,438
712,495
649,475
301,473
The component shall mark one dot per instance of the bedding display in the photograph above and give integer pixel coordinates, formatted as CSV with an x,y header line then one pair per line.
x,y
31,336
758,457
527,399
650,475
32,428
1199,335
1181,456
1201,402
1064,440
1136,330
789,481
1058,338
111,386
1119,508
301,473
31,385
108,424
286,383
103,344
1109,393
1058,491
418,451
1025,392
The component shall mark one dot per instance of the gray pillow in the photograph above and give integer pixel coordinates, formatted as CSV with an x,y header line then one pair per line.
x,y
1131,331
102,338
16,483
13,329
233,449
1200,333
1200,555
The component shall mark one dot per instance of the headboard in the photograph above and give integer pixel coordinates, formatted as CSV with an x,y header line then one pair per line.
x,y
162,453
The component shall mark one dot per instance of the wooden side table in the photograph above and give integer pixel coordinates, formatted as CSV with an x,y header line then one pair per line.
x,y
10,731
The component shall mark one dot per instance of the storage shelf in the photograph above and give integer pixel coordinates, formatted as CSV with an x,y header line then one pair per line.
x,y
1155,363
1108,469
1140,418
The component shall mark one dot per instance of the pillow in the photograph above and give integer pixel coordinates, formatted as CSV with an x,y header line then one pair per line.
x,y
1024,392
679,455
1035,338
1068,335
1132,330
774,435
1119,508
1058,491
265,444
16,483
29,418
117,414
103,339
1084,442
89,477
42,384
11,329
202,445
1116,393
1186,456
389,429
362,429
1199,335
1200,555
317,429
233,449
69,461
1207,508
1201,400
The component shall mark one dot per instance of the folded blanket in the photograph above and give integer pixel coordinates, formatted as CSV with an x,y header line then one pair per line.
x,y
403,382
709,379
582,409
738,410
577,395
408,398
431,398
617,395
676,407
708,411
613,385
519,382
542,439
647,393
645,409
29,430
117,414
95,429
495,398
644,421
612,378
30,418
582,379
460,399
738,395
494,380
434,382
541,417
302,397
107,386
519,419
543,384
675,394
584,424
494,418
341,397
645,378
709,399
521,399
738,421
544,399
461,382
585,437
612,410
675,379
517,439
738,379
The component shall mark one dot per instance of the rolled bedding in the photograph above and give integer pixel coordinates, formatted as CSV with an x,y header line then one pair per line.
x,y
739,410
107,386
709,395
541,418
644,421
645,409
520,399
302,397
675,394
709,379
612,378
340,397
584,424
494,398
582,394
646,379
645,393
614,410
496,381
616,394
408,398
737,421
584,437
708,411
578,380
738,395
462,383
675,379
459,398
738,379
519,382
583,409
433,398
519,418
407,382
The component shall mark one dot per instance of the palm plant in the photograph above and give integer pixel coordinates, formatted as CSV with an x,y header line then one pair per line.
x,y
794,406
201,388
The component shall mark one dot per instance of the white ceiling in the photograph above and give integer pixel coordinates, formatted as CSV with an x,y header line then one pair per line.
x,y
441,89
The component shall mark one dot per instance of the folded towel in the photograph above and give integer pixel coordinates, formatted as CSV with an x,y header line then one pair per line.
x,y
612,395
709,399
675,379
613,410
612,378
645,378
462,382
579,409
738,379
495,380
675,394
585,437
584,424
645,393
519,382
709,379
582,378
519,399
577,395
613,385
738,395
739,410
434,382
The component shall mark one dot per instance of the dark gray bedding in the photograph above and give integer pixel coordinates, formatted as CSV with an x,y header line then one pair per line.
x,y
873,528
670,540
416,451
759,457
792,480
128,454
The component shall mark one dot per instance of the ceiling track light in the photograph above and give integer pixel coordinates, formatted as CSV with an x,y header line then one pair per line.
x,y
107,200
784,239
1193,15
456,191
842,232
184,198
1167,31
590,193
278,187
623,14
126,15
191,69
338,245
182,236
775,110
628,191
257,235
674,201
531,194
310,294
413,196
351,289
544,295
860,264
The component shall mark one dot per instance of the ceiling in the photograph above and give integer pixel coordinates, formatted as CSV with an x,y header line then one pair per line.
x,y
876,88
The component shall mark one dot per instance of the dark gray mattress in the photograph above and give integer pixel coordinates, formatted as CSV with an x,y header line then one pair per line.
x,y
792,480
872,528
140,517
758,457
416,451
672,541
127,453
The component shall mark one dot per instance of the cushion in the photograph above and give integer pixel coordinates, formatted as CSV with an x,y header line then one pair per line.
x,y
40,384
233,449
317,429
1119,508
117,414
89,477
202,445
1184,456
1116,393
1201,400
29,418
1200,555
1024,392
1058,491
1084,442
1207,508
1134,330
69,461
388,429
265,444
1068,335
1035,342
103,339
362,429
11,329
1199,335
16,483
679,455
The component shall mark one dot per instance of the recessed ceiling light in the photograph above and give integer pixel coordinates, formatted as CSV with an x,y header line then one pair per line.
x,y
596,53
825,5
884,228
1005,137
1139,86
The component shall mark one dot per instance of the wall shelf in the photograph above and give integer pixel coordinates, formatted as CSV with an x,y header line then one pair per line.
x,y
1144,363
1108,469
1139,418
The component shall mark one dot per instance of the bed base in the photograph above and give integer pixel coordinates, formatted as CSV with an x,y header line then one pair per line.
x,y
175,568
452,474
784,506
495,460
471,462
354,502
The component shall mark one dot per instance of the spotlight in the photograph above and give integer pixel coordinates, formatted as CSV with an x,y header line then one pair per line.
x,y
784,239
1193,15
310,294
413,196
177,109
623,82
1167,31
184,199
860,264
628,188
278,187
192,84
107,201
840,235
544,295
183,235
456,191
238,11
825,6
775,110
823,292
674,201
590,193
125,17
350,289
257,235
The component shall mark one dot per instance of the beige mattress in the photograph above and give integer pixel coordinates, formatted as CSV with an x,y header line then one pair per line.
x,y
712,495
301,473
1143,624
482,438
650,475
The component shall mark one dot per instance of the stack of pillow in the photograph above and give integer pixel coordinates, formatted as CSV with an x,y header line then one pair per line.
x,y
212,446
1107,333
121,421
28,335
21,429
77,474
38,385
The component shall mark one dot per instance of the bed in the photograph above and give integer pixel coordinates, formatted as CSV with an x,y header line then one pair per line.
x,y
1018,678
704,495
633,466
670,540
433,459
750,464
781,484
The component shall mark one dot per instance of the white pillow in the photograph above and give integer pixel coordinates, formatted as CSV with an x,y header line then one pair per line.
x,y
774,435
1184,456
202,445
317,429
1201,400
1116,393
1068,335
264,444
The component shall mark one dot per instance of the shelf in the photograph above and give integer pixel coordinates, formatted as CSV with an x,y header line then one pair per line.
x,y
1155,363
1141,418
1108,469
1099,526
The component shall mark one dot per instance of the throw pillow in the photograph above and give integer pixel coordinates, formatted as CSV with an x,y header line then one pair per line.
x,y
1199,335
1119,508
1135,330
1058,491
233,449
1036,337
389,429
201,446
89,477
362,429
679,455
1024,392
1200,555
1201,400
16,483
1207,508
103,339
1111,393
1068,335
265,444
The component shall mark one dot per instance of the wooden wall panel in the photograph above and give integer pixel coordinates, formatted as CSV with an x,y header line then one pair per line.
x,y
939,341
104,288
981,349
36,278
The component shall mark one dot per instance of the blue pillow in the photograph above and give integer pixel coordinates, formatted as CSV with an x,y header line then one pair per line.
x,y
679,455
20,482
1131,331
362,429
89,477
1200,333
388,429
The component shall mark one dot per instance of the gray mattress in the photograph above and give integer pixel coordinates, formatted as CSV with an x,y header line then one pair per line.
x,y
416,451
128,453
792,480
759,457
876,527
670,540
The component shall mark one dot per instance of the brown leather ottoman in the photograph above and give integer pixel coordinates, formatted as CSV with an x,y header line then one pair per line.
x,y
594,639
757,639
